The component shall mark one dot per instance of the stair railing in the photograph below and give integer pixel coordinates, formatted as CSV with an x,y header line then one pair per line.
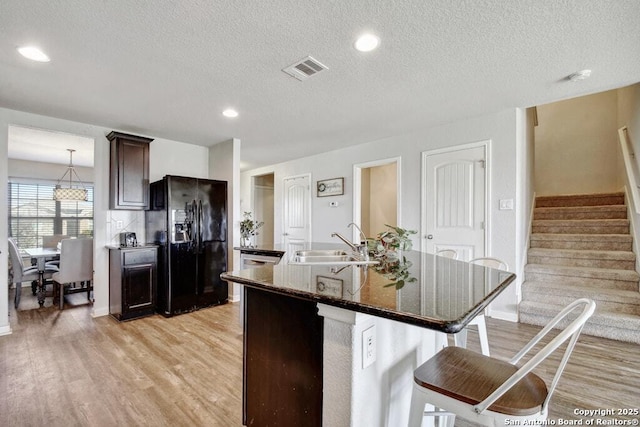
x,y
631,167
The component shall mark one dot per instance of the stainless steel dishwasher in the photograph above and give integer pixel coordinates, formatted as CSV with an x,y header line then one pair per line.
x,y
255,258
250,258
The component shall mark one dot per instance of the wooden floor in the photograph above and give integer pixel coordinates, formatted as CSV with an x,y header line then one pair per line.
x,y
64,368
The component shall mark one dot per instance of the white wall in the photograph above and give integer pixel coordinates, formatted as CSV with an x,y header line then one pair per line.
x,y
525,200
166,157
501,128
46,171
221,168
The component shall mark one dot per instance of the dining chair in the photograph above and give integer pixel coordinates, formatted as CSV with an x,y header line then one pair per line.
x,y
490,391
76,265
448,253
51,242
479,321
22,273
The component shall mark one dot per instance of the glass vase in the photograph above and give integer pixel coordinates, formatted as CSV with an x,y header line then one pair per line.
x,y
245,242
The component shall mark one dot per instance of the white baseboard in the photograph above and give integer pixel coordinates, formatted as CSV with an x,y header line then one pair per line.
x,y
504,315
5,330
100,312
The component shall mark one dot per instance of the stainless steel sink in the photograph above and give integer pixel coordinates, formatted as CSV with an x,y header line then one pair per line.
x,y
328,257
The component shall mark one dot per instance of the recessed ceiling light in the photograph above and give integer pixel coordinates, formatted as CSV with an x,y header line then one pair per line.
x,y
367,42
579,75
230,112
33,53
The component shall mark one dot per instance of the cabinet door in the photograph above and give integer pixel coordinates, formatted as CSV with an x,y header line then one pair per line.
x,y
138,286
129,172
283,353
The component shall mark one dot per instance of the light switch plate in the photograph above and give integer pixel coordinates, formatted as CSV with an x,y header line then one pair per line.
x,y
506,204
368,346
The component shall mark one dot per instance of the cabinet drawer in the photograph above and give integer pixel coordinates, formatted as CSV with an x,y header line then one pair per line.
x,y
139,256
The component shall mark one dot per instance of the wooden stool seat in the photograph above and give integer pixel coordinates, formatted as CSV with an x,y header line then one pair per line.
x,y
470,377
493,392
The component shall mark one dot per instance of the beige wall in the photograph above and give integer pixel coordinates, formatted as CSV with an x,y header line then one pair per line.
x,y
263,208
379,198
384,198
365,201
576,146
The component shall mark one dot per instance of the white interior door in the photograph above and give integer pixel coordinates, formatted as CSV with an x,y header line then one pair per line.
x,y
297,212
454,201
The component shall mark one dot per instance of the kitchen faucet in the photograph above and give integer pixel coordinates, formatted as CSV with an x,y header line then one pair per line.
x,y
358,248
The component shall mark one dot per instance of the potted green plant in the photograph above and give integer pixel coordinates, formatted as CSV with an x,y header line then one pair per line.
x,y
248,229
387,248
391,241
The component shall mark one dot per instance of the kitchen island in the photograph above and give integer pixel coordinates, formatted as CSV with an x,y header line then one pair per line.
x,y
337,345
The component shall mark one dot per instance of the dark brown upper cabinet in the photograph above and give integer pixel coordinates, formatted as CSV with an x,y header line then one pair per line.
x,y
129,189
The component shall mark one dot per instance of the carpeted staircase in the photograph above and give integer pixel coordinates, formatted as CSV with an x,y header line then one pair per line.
x,y
581,247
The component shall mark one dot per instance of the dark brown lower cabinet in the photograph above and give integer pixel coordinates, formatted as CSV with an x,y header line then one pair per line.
x,y
282,379
132,282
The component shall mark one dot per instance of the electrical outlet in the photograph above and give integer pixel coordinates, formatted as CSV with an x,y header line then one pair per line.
x,y
368,346
119,225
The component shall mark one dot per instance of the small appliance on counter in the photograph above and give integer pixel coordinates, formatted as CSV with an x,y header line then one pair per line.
x,y
128,240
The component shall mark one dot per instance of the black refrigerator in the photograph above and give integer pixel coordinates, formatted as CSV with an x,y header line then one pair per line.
x,y
188,221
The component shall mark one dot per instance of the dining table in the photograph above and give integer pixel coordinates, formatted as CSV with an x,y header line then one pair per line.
x,y
41,255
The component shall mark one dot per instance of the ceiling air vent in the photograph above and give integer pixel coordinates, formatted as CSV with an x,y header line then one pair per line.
x,y
305,68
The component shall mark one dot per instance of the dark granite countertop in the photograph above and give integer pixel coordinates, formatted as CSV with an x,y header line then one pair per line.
x,y
266,250
420,289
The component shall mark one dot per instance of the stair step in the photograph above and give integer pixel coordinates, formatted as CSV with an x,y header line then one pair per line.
x,y
580,200
625,260
611,242
581,212
581,226
606,324
620,301
587,276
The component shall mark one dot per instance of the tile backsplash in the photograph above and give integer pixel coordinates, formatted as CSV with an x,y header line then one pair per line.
x,y
121,221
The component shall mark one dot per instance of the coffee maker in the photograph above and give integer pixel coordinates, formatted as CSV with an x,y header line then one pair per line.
x,y
128,240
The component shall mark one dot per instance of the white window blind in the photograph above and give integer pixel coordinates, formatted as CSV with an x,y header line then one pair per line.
x,y
33,213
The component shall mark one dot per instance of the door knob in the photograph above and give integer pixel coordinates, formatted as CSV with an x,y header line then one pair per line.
x,y
285,234
430,236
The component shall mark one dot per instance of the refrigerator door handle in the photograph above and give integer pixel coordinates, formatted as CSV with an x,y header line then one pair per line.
x,y
200,219
196,226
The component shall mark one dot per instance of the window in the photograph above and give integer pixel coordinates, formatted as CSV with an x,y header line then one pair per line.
x,y
33,213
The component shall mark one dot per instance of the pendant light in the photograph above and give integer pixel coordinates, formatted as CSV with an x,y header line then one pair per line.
x,y
70,194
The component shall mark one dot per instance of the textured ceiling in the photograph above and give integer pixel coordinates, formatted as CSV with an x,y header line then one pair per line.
x,y
167,69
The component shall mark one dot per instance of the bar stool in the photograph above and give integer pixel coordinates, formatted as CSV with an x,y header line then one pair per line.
x,y
490,391
479,321
460,339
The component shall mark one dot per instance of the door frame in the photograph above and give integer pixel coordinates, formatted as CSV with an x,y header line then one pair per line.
x,y
486,144
284,201
357,189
